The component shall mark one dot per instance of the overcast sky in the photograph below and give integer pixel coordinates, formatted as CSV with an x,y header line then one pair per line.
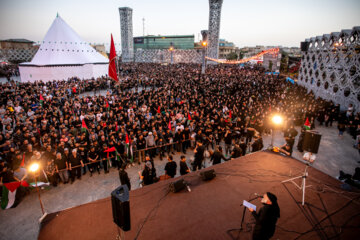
x,y
246,23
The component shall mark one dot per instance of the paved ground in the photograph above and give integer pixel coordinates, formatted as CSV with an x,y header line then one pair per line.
x,y
21,223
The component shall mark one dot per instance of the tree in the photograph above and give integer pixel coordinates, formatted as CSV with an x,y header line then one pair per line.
x,y
232,56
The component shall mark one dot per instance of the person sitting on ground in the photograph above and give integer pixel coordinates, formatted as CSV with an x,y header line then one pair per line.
x,y
148,175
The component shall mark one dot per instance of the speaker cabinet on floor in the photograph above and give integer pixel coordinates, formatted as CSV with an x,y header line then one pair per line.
x,y
311,141
208,175
121,207
177,186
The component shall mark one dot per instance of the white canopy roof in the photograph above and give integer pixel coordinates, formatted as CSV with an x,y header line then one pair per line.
x,y
63,46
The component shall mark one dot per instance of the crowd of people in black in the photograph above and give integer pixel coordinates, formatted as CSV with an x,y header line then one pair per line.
x,y
154,110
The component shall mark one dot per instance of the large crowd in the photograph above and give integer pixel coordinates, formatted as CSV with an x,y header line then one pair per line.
x,y
154,110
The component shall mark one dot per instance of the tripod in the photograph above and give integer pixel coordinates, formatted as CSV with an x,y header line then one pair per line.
x,y
303,182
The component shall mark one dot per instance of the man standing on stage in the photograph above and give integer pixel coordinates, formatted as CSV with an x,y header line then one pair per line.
x,y
266,218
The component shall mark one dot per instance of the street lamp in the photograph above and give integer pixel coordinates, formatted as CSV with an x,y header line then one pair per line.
x,y
34,168
171,49
277,120
204,45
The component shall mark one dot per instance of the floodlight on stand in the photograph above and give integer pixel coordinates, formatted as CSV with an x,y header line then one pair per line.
x,y
34,168
276,120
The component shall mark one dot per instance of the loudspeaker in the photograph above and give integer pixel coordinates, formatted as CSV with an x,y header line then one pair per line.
x,y
304,46
311,141
177,186
121,207
208,175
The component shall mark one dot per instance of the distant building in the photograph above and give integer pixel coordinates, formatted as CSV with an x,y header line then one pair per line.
x,y
17,50
292,51
164,42
225,48
18,43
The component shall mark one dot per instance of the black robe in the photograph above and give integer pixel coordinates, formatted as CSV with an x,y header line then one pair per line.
x,y
265,222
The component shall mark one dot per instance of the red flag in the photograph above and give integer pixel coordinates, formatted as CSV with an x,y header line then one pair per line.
x,y
112,149
83,126
112,64
12,186
127,139
22,164
307,124
189,116
24,184
169,125
116,127
159,111
107,104
41,98
230,115
104,124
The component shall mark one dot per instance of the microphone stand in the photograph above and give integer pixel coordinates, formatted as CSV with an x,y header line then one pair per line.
x,y
244,211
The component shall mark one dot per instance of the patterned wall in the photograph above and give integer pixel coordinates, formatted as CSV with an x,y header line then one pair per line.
x,y
126,29
214,28
330,67
17,55
164,56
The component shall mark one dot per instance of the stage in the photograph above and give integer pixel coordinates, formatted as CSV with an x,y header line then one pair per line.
x,y
212,209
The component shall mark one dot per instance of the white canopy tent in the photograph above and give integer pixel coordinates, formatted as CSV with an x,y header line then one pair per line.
x,y
62,55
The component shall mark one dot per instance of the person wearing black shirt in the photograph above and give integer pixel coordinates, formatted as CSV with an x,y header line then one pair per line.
x,y
199,156
148,174
243,147
93,158
236,152
141,144
170,167
74,165
184,169
104,157
217,156
123,176
286,149
266,218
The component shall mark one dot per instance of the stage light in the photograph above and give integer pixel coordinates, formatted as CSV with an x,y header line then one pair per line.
x,y
34,167
277,120
204,43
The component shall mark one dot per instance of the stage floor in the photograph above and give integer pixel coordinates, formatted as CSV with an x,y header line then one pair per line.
x,y
213,208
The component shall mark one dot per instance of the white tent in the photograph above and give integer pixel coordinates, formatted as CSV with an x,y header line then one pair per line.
x,y
62,55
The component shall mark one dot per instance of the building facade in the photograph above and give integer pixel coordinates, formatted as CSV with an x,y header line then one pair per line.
x,y
17,50
330,67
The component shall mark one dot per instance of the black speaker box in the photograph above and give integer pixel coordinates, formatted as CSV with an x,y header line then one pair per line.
x,y
208,175
177,186
121,207
311,141
304,46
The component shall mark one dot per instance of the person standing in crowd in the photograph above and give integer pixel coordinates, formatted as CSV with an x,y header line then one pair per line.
x,y
124,178
184,169
266,218
148,175
170,167
75,164
93,159
199,156
217,156
62,168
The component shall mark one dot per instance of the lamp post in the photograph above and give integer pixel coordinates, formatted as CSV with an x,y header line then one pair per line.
x,y
203,67
34,168
171,49
276,120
